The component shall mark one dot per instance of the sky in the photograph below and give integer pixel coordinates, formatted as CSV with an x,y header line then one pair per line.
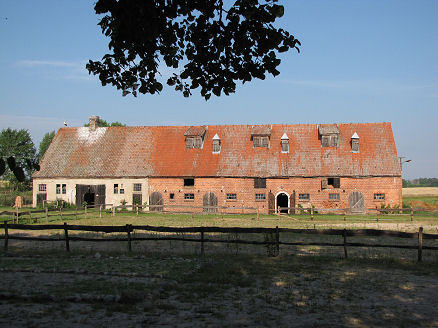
x,y
360,61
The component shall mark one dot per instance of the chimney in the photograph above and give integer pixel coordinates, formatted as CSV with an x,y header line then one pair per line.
x,y
94,122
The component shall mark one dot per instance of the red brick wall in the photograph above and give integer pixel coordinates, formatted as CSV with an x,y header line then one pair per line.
x,y
244,188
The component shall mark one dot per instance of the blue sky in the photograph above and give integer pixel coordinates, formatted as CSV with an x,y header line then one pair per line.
x,y
360,61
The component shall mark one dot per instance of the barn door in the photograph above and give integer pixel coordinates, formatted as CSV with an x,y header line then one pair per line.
x,y
156,199
357,202
81,190
271,203
100,194
209,200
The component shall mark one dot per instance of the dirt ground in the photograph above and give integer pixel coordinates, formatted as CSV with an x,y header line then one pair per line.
x,y
153,289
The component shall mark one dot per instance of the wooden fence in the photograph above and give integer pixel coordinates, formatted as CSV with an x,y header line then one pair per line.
x,y
274,242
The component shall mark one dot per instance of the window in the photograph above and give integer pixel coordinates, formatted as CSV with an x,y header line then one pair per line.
x,y
329,140
189,196
330,183
216,146
58,189
122,191
260,196
231,196
42,188
259,182
304,196
193,142
171,195
355,145
334,197
379,196
116,188
260,141
284,146
64,189
137,186
189,182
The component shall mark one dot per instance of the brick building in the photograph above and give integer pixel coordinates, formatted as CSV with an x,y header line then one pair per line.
x,y
352,165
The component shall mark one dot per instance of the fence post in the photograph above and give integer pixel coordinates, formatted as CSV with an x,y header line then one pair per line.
x,y
47,214
202,241
277,240
136,208
311,212
67,242
345,243
345,217
17,214
420,244
258,216
412,214
378,214
100,211
114,210
85,210
30,216
278,211
128,229
6,236
60,212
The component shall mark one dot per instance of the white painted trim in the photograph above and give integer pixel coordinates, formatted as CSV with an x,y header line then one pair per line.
x,y
288,200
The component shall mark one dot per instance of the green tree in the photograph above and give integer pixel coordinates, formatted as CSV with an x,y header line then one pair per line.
x,y
45,143
18,151
104,123
207,44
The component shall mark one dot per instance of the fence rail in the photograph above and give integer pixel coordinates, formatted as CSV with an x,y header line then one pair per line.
x,y
273,242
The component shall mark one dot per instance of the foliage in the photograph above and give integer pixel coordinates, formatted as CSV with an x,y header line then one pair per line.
x,y
104,123
217,46
421,182
18,150
45,143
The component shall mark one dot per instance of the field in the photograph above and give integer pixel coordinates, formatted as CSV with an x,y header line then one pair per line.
x,y
168,283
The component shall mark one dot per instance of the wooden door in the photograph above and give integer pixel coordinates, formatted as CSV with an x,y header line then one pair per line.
x,y
41,197
156,199
81,190
271,203
356,202
100,194
208,201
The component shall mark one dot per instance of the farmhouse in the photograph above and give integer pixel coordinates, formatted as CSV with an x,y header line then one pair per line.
x,y
352,165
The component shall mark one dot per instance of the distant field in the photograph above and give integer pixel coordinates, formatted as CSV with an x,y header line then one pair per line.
x,y
420,191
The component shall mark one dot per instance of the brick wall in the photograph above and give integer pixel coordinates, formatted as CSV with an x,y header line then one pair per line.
x,y
245,191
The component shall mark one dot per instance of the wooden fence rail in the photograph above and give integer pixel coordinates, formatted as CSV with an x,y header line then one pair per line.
x,y
128,229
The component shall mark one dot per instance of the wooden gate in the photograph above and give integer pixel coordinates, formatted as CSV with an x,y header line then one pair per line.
x,y
208,201
156,199
357,202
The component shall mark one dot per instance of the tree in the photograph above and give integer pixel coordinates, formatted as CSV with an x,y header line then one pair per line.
x,y
217,46
45,143
18,151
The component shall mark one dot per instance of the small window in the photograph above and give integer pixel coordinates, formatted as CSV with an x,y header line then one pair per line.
x,y
216,146
58,189
42,188
304,196
259,183
260,196
379,196
171,195
64,189
116,188
329,140
193,142
260,141
122,191
334,197
284,146
189,196
189,182
137,187
332,183
355,145
231,196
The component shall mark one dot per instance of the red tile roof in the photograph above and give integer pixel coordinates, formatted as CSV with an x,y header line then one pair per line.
x,y
161,151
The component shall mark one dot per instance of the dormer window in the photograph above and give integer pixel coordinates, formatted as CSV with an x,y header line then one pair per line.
x,y
329,135
195,137
355,143
261,136
216,144
284,143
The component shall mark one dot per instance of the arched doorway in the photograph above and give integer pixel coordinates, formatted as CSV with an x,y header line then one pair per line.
x,y
282,200
356,202
156,199
209,201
